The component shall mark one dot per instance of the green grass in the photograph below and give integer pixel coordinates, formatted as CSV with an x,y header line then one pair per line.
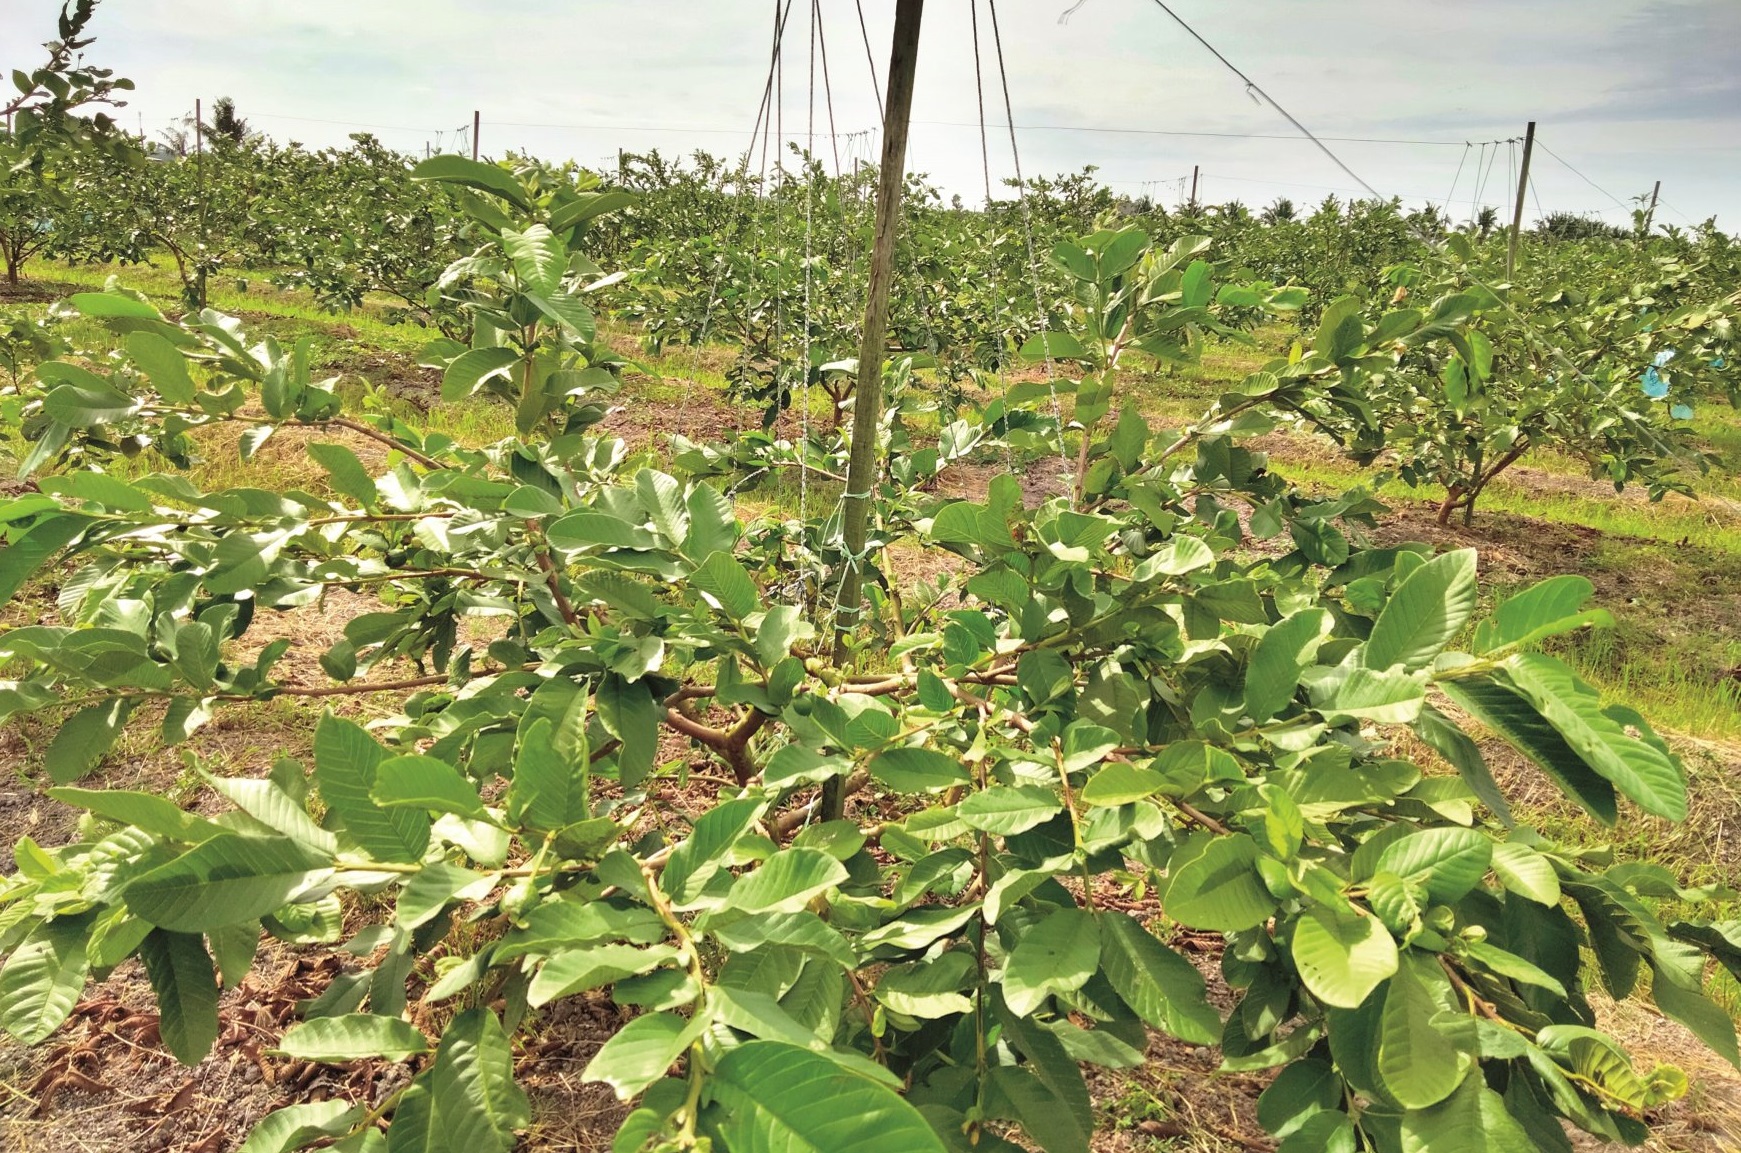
x,y
1676,522
250,291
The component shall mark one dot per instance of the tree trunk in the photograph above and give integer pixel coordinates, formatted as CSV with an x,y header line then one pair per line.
x,y
1452,497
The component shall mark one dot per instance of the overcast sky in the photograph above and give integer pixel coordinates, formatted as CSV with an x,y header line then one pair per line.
x,y
1626,91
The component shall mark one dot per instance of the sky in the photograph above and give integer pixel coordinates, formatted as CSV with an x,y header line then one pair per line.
x,y
1625,92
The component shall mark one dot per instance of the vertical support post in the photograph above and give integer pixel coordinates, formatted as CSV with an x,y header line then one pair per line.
x,y
1517,209
1650,213
1195,170
476,124
863,465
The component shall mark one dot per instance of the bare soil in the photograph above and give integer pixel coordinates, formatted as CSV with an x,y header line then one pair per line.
x,y
36,291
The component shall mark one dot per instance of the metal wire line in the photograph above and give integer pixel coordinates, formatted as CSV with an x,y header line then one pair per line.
x,y
1122,131
1567,164
1525,325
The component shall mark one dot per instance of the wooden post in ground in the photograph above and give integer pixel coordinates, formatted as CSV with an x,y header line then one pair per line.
x,y
863,464
1517,209
1195,169
1650,213
476,122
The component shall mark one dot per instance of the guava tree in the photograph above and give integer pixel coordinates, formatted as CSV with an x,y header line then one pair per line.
x,y
1456,383
1123,707
46,135
522,292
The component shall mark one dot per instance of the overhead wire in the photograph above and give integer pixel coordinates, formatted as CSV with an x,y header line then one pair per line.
x,y
726,130
1525,325
1255,89
344,123
699,129
1124,131
1363,193
1690,221
1568,166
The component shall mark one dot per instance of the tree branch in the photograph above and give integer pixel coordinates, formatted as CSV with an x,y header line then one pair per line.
x,y
376,434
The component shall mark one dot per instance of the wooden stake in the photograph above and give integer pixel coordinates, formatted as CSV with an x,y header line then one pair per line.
x,y
1650,213
863,466
476,124
1195,169
1517,209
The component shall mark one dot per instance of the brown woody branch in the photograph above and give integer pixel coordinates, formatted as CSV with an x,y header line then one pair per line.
x,y
376,434
731,746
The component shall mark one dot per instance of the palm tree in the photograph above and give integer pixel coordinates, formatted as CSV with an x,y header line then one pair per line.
x,y
1279,212
226,123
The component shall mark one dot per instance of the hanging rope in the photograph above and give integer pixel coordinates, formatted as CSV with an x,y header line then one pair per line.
x,y
1513,194
871,59
778,346
979,92
766,125
827,89
1475,188
1487,173
763,117
809,230
1461,161
1033,260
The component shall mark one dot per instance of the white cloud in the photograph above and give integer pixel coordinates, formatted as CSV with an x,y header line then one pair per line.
x,y
1628,92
